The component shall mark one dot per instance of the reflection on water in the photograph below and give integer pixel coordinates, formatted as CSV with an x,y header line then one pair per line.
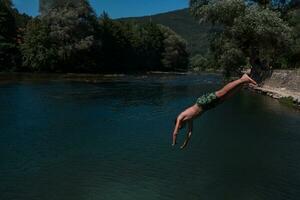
x,y
110,139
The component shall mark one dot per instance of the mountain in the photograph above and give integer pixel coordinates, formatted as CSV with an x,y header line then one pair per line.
x,y
196,34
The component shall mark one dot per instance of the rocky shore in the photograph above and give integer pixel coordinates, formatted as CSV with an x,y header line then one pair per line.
x,y
282,84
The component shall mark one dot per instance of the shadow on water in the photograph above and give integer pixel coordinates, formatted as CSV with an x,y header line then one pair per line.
x,y
110,139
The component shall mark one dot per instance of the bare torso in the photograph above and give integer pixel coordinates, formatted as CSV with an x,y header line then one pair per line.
x,y
194,111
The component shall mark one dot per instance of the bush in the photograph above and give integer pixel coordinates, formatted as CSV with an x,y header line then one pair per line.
x,y
198,63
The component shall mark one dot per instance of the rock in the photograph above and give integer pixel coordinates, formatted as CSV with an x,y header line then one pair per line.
x,y
282,84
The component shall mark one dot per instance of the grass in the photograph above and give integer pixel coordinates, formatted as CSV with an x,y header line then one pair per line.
x,y
290,102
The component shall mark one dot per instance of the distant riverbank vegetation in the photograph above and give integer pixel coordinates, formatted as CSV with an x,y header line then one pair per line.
x,y
71,38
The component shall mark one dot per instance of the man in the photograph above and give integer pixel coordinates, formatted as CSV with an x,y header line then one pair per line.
x,y
204,103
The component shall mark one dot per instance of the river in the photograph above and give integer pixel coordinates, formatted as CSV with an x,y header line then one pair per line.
x,y
110,139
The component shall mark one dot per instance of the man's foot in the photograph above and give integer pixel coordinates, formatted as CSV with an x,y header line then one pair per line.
x,y
252,86
245,78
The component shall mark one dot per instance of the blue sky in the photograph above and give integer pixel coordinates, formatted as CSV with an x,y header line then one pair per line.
x,y
115,8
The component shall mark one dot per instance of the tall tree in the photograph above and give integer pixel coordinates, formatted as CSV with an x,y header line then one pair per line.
x,y
8,31
293,17
39,53
73,29
249,33
153,46
175,55
115,37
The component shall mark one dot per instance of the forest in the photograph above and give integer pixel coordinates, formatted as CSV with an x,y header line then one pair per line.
x,y
72,38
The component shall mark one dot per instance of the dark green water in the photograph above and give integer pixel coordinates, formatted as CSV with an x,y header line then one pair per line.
x,y
111,140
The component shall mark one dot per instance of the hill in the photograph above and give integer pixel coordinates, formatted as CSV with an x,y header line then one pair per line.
x,y
197,35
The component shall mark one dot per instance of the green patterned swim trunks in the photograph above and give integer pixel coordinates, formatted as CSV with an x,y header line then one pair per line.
x,y
208,101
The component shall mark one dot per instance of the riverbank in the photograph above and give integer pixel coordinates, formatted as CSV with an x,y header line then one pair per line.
x,y
283,85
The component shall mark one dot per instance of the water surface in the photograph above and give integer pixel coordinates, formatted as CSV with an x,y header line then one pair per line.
x,y
110,139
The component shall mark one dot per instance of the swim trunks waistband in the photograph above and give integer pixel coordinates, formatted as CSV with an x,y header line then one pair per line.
x,y
208,101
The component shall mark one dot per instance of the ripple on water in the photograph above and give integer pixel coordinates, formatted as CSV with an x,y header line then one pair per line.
x,y
112,140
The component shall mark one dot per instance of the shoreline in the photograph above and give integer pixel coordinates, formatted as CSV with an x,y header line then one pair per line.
x,y
283,85
280,94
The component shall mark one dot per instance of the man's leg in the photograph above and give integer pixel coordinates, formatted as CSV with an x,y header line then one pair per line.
x,y
230,87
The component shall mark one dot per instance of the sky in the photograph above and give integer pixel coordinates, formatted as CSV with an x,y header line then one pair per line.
x,y
115,8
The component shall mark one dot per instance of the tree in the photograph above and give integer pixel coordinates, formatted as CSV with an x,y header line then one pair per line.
x,y
217,12
250,34
263,35
293,17
175,55
116,45
8,31
199,63
153,47
73,31
67,39
148,46
7,20
39,53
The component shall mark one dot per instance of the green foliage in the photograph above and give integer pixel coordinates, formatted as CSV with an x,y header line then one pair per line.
x,y
232,59
73,30
8,32
143,46
174,54
294,55
64,40
290,102
70,38
39,53
7,20
153,45
21,19
264,30
197,35
116,45
218,12
250,33
199,63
